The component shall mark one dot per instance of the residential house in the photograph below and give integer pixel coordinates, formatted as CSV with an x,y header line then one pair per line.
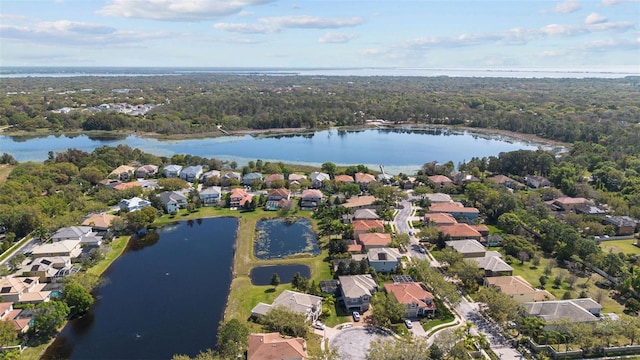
x,y
278,199
110,183
269,179
482,229
385,178
133,204
439,219
295,179
365,214
68,248
357,291
99,222
171,171
440,181
310,199
272,346
318,179
23,290
172,201
122,172
463,178
567,203
374,240
489,261
537,182
573,311
517,288
456,210
593,210
127,186
238,197
460,232
507,181
85,234
18,317
210,174
367,226
230,178
191,173
408,183
211,195
251,177
416,300
364,180
624,225
47,269
384,259
438,198
146,171
308,305
347,179
361,202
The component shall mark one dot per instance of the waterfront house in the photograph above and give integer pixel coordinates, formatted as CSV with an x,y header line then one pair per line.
x,y
211,195
310,199
384,259
84,234
364,180
133,204
68,248
238,197
191,173
278,194
23,290
417,301
357,291
308,305
272,346
18,317
251,177
47,269
99,222
172,201
346,179
146,171
171,171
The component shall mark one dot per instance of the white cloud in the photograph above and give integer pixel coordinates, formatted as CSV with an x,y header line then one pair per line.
x,y
177,9
594,18
74,33
335,38
279,23
611,44
564,7
616,2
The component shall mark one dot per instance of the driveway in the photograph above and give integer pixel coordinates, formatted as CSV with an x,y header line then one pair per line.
x,y
353,343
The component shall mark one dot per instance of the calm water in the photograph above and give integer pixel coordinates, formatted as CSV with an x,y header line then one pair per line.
x,y
278,238
261,275
399,150
165,295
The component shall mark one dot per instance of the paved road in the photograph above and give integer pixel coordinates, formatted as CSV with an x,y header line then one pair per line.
x,y
25,248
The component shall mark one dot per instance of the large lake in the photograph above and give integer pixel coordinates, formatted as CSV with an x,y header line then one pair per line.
x,y
165,295
399,150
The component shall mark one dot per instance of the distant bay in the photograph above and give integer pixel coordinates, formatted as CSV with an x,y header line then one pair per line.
x,y
399,149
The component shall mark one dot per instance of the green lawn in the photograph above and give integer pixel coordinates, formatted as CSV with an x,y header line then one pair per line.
x,y
620,246
532,275
118,245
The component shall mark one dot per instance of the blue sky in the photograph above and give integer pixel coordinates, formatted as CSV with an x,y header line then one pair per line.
x,y
514,34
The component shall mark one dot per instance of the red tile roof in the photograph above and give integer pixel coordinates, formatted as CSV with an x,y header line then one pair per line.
x,y
272,346
364,178
375,239
452,208
409,293
344,178
366,225
458,231
127,185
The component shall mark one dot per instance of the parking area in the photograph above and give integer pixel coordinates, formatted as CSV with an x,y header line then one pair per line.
x,y
353,343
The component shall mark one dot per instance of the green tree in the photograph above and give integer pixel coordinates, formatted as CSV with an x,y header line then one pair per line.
x,y
140,219
285,321
77,298
203,355
397,349
468,272
172,184
232,338
8,333
329,168
49,316
275,280
498,305
386,310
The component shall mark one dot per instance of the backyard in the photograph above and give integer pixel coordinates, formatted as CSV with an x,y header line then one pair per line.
x,y
620,246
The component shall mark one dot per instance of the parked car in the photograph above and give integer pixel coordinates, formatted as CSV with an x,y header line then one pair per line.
x,y
422,250
318,325
356,316
408,323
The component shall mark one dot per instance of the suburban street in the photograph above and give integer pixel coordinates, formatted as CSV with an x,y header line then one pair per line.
x,y
468,311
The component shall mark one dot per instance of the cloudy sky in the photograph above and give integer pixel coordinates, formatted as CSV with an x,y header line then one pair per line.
x,y
594,34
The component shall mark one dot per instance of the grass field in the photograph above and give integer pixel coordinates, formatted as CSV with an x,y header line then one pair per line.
x,y
5,170
620,246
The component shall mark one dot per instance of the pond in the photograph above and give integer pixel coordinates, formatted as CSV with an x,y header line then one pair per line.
x,y
280,238
261,275
165,295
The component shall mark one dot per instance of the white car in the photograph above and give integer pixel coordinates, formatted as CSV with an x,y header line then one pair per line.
x,y
356,316
408,323
318,325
